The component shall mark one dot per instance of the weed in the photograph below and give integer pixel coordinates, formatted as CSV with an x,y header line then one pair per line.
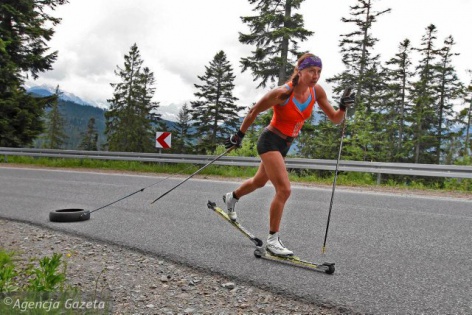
x,y
7,272
47,276
39,287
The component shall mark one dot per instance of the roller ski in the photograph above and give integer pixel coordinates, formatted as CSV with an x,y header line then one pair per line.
x,y
212,205
261,252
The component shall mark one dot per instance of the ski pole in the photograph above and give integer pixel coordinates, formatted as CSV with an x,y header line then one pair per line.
x,y
134,193
196,172
323,250
140,190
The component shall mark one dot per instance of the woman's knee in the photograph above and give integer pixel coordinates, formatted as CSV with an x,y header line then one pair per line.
x,y
283,192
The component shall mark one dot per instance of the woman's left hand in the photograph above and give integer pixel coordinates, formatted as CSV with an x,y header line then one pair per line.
x,y
348,98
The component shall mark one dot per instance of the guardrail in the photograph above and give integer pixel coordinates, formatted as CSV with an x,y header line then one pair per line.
x,y
379,168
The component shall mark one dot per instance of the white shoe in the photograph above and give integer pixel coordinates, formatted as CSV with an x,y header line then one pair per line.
x,y
230,205
275,246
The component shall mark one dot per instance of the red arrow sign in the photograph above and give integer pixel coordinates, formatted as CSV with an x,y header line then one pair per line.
x,y
163,140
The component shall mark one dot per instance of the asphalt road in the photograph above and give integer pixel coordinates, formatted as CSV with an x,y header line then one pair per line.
x,y
394,254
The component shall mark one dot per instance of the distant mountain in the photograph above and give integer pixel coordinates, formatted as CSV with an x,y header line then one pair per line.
x,y
45,90
77,117
168,112
77,114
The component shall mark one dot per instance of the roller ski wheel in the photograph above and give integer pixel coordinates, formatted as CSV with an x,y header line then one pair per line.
x,y
292,260
258,253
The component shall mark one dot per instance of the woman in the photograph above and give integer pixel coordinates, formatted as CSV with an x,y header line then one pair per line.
x,y
292,104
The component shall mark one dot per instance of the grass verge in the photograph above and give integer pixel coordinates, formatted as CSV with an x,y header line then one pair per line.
x,y
352,179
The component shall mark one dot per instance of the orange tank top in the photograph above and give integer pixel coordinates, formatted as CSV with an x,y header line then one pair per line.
x,y
290,116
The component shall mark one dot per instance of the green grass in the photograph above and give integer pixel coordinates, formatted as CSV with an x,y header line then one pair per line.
x,y
303,176
39,287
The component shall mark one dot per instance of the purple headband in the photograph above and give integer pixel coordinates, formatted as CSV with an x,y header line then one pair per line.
x,y
310,62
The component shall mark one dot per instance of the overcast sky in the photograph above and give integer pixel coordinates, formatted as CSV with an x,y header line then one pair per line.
x,y
178,38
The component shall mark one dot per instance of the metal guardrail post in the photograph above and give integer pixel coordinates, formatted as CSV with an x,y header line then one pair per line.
x,y
379,168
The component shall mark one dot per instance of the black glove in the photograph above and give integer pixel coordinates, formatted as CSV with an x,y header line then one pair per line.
x,y
347,99
234,140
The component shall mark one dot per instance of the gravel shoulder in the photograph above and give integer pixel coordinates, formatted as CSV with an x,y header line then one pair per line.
x,y
140,283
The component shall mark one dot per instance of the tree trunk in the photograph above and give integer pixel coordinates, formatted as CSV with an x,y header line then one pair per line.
x,y
364,52
284,51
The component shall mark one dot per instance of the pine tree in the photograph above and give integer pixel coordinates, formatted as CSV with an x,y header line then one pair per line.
x,y
90,137
376,117
368,141
319,138
449,89
25,28
398,107
21,117
182,136
55,137
275,32
215,114
129,120
364,74
423,116
464,118
357,51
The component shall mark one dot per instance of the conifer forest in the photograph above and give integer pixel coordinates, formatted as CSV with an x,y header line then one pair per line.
x,y
412,108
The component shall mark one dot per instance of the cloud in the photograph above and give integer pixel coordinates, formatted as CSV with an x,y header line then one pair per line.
x,y
178,38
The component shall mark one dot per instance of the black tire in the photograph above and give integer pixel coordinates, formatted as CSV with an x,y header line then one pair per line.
x,y
69,215
330,270
258,242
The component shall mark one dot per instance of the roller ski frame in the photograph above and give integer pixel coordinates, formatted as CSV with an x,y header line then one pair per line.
x,y
212,205
261,252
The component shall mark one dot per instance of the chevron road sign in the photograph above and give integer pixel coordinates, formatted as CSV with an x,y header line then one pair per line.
x,y
163,140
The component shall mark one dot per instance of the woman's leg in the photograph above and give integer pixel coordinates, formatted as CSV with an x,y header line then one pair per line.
x,y
274,169
257,181
248,186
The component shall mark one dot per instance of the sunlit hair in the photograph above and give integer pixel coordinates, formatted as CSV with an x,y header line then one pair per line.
x,y
294,78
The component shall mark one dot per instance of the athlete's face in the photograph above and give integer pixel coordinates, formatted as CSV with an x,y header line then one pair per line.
x,y
310,76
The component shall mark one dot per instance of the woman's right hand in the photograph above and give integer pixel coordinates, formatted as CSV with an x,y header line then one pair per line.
x,y
234,140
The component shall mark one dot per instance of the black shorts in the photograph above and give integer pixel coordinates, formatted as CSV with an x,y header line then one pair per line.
x,y
269,141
